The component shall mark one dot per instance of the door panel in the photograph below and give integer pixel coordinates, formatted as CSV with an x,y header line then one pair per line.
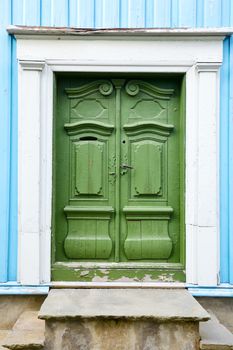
x,y
118,151
147,179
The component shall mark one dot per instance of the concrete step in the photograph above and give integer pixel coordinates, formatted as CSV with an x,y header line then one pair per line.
x,y
214,336
124,319
27,333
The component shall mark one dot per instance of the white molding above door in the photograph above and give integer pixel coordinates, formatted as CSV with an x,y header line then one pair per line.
x,y
198,57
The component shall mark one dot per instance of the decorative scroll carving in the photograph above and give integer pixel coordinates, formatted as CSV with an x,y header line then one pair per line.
x,y
134,86
105,87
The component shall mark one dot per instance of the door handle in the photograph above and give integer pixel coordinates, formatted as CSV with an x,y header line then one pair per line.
x,y
126,166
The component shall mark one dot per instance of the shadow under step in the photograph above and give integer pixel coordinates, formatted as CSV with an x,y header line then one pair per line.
x,y
27,333
214,336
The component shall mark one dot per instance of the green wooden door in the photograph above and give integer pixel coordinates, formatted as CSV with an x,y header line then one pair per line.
x,y
118,174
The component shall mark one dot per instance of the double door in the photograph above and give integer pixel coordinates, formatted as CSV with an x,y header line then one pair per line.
x,y
117,171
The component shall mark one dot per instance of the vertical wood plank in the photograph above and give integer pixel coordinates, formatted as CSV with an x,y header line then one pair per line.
x,y
200,13
224,174
136,14
107,14
73,13
31,12
18,17
60,13
5,99
123,20
46,14
17,12
86,13
99,13
231,12
226,13
13,219
187,13
212,13
174,13
230,126
162,13
149,13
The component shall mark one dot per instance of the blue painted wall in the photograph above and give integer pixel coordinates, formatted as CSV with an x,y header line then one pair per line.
x,y
97,14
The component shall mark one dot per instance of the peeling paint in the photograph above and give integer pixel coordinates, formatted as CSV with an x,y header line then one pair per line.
x,y
84,273
117,275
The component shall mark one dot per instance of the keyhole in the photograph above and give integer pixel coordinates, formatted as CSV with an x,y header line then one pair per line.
x,y
123,141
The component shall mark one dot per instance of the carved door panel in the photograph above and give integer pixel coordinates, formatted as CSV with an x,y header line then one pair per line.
x,y
147,202
117,174
90,209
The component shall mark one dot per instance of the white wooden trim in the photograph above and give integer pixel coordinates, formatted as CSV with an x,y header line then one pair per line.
x,y
46,174
29,172
198,59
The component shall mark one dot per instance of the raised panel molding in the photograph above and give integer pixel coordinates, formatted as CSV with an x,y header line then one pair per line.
x,y
148,146
89,161
147,160
147,233
153,107
89,167
88,232
90,108
85,127
156,128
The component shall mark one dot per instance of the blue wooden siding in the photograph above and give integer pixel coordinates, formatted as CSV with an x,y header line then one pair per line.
x,y
97,14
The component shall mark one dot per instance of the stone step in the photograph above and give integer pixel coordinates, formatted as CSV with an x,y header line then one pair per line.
x,y
27,333
3,335
214,336
157,304
124,319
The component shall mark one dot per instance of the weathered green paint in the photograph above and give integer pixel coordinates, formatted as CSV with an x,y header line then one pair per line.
x,y
118,178
146,274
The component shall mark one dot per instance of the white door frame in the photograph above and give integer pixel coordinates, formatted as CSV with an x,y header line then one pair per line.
x,y
197,54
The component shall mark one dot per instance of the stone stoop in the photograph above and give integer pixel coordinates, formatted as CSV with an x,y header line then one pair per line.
x,y
119,319
27,333
214,336
122,319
